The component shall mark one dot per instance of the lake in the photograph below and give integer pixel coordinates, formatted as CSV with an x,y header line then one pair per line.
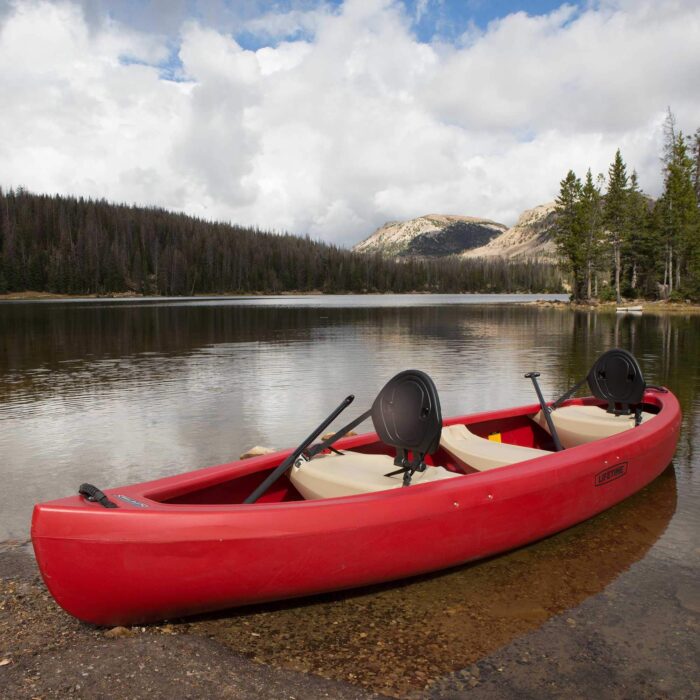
x,y
116,391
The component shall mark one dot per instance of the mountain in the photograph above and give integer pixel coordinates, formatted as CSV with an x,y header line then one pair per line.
x,y
431,236
530,238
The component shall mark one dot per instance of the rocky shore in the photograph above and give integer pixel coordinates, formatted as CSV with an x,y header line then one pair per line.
x,y
45,653
633,639
658,308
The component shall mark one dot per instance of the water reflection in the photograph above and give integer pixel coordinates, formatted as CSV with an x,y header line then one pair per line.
x,y
121,392
396,638
124,391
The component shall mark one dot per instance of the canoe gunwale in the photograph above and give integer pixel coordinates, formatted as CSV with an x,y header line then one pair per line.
x,y
156,493
163,491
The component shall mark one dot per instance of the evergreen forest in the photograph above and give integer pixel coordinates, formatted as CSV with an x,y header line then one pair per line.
x,y
616,243
68,245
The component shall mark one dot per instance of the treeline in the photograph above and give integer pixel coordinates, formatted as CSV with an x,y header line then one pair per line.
x,y
82,246
622,244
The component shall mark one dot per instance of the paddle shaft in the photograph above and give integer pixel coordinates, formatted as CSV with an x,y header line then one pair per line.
x,y
568,394
277,473
546,411
329,442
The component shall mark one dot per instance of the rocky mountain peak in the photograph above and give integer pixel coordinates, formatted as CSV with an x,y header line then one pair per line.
x,y
530,238
432,235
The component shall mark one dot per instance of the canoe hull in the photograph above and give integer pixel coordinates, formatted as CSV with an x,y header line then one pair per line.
x,y
140,564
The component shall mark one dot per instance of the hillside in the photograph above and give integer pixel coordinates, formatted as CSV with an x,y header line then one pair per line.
x,y
430,236
68,245
530,239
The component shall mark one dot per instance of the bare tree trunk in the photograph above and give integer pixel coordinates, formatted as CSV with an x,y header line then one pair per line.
x,y
589,275
670,270
617,274
634,275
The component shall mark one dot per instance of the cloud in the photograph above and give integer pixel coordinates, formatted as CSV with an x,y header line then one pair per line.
x,y
343,118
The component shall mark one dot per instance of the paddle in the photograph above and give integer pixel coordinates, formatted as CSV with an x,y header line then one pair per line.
x,y
328,443
277,473
546,410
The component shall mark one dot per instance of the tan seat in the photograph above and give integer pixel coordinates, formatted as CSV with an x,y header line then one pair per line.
x,y
351,473
483,454
578,425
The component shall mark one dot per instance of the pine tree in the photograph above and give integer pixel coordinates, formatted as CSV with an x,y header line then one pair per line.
x,y
694,256
679,215
568,234
638,250
695,152
670,133
589,217
616,215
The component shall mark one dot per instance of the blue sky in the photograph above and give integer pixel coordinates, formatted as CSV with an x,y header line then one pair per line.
x,y
429,20
445,20
448,19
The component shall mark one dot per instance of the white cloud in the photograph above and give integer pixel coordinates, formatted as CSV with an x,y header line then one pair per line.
x,y
273,25
357,123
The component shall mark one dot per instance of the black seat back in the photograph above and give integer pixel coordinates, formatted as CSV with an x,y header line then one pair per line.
x,y
406,413
617,379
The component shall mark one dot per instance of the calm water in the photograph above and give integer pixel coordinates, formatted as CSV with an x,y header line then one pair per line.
x,y
122,391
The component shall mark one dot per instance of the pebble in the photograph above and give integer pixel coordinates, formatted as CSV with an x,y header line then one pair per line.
x,y
689,598
117,632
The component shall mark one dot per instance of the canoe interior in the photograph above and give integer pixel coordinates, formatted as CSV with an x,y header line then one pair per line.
x,y
514,430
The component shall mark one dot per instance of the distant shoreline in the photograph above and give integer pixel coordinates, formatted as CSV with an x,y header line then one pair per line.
x,y
38,296
648,307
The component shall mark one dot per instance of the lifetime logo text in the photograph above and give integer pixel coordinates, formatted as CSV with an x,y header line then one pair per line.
x,y
610,474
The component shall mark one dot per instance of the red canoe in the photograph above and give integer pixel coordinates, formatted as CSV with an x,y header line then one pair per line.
x,y
188,544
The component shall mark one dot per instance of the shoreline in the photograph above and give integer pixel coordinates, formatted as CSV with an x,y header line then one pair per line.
x,y
649,307
38,296
657,308
46,653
